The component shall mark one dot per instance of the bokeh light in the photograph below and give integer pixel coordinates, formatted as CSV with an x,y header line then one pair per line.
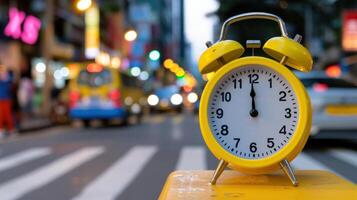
x,y
83,5
192,97
153,100
144,75
333,71
135,71
130,35
176,99
40,67
154,55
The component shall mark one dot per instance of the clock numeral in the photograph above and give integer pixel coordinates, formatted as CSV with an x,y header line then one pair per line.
x,y
239,83
219,113
288,113
226,96
224,130
283,130
282,96
237,141
270,83
270,142
253,78
253,147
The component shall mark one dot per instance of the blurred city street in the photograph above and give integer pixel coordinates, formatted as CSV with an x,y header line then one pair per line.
x,y
130,162
99,100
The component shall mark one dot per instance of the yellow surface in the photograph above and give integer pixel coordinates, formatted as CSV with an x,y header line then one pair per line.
x,y
218,54
313,185
297,56
342,110
296,143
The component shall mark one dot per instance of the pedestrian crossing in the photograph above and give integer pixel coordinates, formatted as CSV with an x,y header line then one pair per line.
x,y
192,158
23,157
120,174
347,156
304,161
18,187
114,180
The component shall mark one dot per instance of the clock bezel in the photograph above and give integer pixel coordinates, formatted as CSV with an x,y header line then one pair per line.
x,y
289,151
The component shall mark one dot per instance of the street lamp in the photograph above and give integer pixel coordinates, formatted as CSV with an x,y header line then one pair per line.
x,y
83,5
130,35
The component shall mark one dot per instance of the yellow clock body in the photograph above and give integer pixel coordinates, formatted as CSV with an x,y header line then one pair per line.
x,y
249,138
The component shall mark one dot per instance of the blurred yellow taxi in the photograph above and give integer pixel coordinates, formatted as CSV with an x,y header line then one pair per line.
x,y
98,92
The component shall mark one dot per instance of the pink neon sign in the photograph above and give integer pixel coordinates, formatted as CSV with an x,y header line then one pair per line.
x,y
31,26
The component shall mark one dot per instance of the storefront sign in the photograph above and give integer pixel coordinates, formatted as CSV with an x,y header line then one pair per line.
x,y
30,30
349,31
92,32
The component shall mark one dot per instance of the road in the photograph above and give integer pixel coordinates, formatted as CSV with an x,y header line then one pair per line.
x,y
129,162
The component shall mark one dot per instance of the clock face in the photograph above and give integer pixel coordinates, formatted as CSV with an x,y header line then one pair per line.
x,y
253,112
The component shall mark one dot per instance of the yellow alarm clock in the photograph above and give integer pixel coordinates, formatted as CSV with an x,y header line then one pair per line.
x,y
255,115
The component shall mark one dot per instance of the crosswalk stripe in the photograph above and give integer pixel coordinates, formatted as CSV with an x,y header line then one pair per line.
x,y
304,161
23,157
192,158
22,185
117,177
347,156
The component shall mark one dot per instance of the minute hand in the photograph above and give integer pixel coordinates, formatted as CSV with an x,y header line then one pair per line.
x,y
253,112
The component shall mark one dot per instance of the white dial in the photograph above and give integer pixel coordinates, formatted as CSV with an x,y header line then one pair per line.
x,y
253,112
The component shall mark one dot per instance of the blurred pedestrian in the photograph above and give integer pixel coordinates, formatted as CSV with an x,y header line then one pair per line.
x,y
15,106
6,114
25,94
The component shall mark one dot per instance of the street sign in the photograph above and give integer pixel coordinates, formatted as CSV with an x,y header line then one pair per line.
x,y
21,26
349,30
92,41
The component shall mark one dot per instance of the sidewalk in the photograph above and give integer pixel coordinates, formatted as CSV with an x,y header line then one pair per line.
x,y
27,125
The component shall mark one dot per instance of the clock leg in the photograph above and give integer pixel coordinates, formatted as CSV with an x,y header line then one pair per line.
x,y
220,168
288,170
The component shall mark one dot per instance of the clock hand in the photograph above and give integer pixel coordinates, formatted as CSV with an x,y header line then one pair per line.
x,y
253,112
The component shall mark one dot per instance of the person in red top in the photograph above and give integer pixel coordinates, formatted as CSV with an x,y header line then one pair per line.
x,y
6,114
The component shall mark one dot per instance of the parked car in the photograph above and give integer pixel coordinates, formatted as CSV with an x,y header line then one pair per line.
x,y
190,98
166,98
193,100
133,95
334,102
